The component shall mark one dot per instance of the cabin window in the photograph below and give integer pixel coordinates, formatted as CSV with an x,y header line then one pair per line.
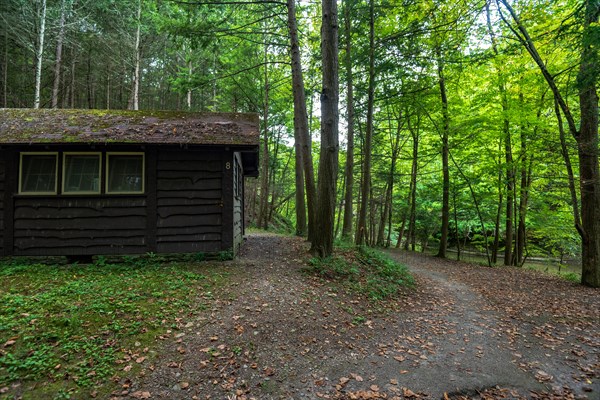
x,y
37,173
124,173
81,173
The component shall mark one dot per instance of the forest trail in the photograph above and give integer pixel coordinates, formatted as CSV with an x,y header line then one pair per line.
x,y
275,332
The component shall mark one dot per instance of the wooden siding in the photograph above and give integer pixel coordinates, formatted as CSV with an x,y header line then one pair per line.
x,y
2,187
189,201
85,225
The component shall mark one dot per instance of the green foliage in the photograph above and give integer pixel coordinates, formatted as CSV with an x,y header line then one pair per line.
x,y
72,323
571,277
365,271
225,255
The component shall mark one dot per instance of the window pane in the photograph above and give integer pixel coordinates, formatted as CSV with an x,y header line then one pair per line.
x,y
38,173
125,173
82,173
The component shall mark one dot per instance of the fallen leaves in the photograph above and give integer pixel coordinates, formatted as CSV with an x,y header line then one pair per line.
x,y
141,395
543,376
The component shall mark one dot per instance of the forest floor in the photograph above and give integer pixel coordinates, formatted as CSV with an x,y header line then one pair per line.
x,y
464,331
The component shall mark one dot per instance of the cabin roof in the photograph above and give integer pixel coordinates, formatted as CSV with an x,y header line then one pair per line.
x,y
48,126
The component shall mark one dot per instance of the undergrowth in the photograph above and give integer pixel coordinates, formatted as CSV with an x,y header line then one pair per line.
x,y
66,326
363,270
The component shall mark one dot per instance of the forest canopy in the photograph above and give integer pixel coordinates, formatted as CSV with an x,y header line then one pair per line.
x,y
463,126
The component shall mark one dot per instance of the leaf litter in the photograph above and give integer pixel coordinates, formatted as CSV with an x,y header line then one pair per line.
x,y
278,333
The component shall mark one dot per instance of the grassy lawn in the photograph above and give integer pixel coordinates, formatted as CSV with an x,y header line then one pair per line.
x,y
73,331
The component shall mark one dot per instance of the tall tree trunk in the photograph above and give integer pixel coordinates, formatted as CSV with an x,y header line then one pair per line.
x,y
322,244
586,136
264,157
58,61
108,87
300,118
526,166
73,81
587,77
401,231
569,167
387,209
510,190
362,237
190,75
5,70
456,223
496,245
411,235
510,174
349,173
89,79
384,215
445,171
135,92
39,55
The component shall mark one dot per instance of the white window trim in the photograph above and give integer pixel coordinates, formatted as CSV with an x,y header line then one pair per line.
x,y
38,153
122,153
64,171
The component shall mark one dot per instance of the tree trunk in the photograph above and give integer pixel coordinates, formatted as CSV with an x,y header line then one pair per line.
x,y
587,77
58,61
135,92
586,136
264,157
384,214
401,231
510,175
498,210
411,235
387,210
89,80
569,167
108,87
5,70
456,224
300,118
526,167
190,75
510,190
445,171
38,55
362,237
73,81
322,244
349,173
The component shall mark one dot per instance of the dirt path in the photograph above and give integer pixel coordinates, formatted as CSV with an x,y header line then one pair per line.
x,y
276,333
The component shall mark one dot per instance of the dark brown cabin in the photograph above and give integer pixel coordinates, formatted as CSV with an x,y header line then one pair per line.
x,y
92,182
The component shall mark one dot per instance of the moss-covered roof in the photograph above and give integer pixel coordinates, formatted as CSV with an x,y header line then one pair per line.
x,y
29,126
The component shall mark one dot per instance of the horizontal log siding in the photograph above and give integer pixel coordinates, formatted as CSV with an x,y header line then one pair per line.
x,y
189,203
2,189
86,225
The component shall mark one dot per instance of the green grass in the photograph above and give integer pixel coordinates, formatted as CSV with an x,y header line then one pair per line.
x,y
363,270
66,326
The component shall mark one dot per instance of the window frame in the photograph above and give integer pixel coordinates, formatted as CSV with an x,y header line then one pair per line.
x,y
107,171
64,172
38,153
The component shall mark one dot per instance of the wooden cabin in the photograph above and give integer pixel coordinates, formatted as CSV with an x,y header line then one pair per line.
x,y
92,182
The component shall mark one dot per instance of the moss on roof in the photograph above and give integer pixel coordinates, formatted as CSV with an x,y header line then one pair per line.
x,y
29,126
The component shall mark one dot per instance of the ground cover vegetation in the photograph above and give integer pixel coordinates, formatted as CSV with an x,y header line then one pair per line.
x,y
73,330
464,126
81,331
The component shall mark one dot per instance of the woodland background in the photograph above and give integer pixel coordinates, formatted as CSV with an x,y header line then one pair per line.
x,y
450,136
